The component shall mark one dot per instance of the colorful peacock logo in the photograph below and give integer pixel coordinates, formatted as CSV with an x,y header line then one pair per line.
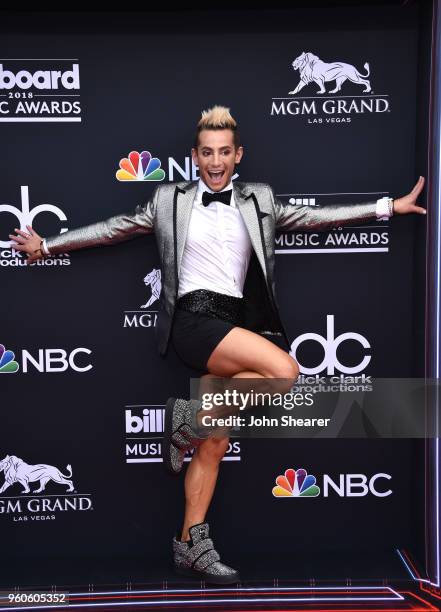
x,y
296,483
7,363
140,167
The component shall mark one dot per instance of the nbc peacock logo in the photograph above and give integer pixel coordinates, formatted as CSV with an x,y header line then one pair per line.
x,y
296,483
140,167
7,363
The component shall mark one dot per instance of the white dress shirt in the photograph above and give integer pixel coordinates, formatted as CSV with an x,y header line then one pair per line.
x,y
218,247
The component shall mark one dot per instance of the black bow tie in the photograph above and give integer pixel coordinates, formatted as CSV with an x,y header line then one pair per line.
x,y
220,196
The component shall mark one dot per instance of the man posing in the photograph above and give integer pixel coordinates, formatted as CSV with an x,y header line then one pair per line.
x,y
218,305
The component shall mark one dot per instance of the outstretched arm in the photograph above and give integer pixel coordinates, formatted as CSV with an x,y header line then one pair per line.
x,y
297,217
110,231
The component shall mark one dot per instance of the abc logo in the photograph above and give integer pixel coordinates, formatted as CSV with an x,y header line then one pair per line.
x,y
330,345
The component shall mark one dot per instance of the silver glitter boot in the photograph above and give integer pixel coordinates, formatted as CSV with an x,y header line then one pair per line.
x,y
181,432
197,558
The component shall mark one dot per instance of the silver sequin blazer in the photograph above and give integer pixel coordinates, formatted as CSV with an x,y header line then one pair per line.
x,y
167,214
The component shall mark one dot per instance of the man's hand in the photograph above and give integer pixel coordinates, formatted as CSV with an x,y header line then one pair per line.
x,y
407,204
28,243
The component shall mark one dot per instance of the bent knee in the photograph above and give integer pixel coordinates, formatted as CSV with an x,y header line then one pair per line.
x,y
286,368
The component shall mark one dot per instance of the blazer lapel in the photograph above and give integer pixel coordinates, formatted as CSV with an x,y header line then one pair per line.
x,y
184,197
246,201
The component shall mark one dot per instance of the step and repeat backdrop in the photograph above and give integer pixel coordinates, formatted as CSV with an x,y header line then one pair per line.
x,y
94,114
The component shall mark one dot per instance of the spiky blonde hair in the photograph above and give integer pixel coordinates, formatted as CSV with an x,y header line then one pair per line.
x,y
217,118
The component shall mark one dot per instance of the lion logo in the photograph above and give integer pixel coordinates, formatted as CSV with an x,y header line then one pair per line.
x,y
154,280
16,470
312,69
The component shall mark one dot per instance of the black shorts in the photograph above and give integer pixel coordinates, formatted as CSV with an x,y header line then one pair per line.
x,y
195,335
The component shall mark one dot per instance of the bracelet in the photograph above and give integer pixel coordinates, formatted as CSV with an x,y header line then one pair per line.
x,y
390,204
41,250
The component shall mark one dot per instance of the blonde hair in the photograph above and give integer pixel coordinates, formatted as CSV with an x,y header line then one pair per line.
x,y
217,118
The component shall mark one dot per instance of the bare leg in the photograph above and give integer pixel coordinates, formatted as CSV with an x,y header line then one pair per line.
x,y
241,354
200,481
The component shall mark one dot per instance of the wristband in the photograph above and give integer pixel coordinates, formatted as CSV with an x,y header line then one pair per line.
x,y
42,253
44,248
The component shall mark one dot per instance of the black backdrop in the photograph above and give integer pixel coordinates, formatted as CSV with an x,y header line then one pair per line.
x,y
143,80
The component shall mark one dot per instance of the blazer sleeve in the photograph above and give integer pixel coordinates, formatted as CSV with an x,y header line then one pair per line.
x,y
296,217
110,231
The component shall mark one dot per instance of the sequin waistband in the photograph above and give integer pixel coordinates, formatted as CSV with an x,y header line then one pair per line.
x,y
217,305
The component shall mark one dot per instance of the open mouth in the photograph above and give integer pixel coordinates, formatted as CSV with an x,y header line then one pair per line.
x,y
216,177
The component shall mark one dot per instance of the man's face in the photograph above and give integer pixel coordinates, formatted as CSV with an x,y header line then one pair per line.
x,y
216,157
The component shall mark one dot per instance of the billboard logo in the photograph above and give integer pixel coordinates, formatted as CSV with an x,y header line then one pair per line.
x,y
7,363
303,201
151,421
296,483
345,238
23,83
144,431
140,167
40,79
